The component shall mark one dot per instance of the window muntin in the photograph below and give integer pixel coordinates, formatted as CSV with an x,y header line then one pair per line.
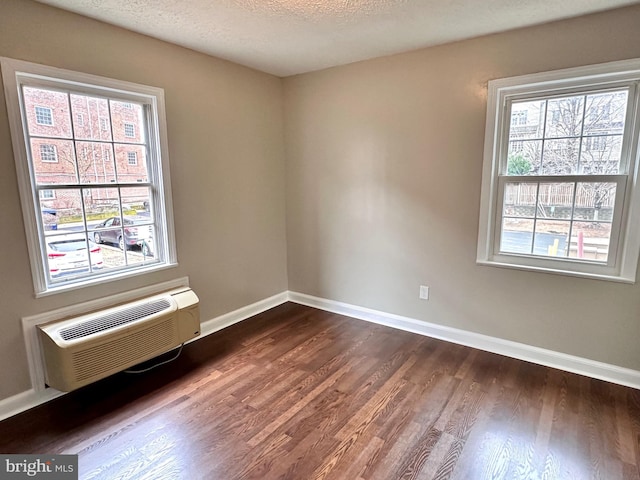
x,y
557,192
92,180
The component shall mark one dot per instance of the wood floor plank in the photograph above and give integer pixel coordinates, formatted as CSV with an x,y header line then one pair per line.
x,y
297,393
296,407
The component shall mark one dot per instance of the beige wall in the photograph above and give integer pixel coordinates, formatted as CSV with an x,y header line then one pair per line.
x,y
384,161
227,169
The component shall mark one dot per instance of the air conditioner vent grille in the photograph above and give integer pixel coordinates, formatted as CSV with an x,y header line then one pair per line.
x,y
115,319
121,352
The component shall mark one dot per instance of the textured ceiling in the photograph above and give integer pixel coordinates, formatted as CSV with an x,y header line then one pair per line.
x,y
286,37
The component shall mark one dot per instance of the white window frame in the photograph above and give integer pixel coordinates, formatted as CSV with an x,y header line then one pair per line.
x,y
54,153
16,73
624,248
47,194
132,158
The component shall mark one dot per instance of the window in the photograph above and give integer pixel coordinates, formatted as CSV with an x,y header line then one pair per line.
x,y
129,130
44,116
80,119
104,124
132,158
519,117
48,153
558,187
103,212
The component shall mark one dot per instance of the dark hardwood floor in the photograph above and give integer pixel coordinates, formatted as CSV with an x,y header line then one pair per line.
x,y
297,393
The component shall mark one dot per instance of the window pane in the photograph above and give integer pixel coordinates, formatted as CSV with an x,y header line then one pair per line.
x,y
520,199
100,204
103,222
524,157
605,113
142,246
65,240
95,162
90,117
140,230
127,122
595,201
590,241
68,255
49,170
560,157
135,200
48,211
551,237
601,155
114,257
517,235
47,112
555,200
131,161
527,120
564,117
62,210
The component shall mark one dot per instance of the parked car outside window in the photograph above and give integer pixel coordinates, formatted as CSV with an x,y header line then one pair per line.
x,y
67,254
136,232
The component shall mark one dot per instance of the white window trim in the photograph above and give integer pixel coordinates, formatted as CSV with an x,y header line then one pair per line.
x,y
626,247
83,82
132,158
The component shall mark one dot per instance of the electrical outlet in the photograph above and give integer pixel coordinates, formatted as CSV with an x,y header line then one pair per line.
x,y
424,292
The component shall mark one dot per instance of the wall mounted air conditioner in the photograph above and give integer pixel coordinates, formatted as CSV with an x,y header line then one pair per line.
x,y
80,350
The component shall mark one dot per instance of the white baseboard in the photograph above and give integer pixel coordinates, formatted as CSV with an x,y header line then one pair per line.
x,y
24,401
521,351
37,395
228,319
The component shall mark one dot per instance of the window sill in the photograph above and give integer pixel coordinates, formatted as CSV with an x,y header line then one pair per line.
x,y
557,271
